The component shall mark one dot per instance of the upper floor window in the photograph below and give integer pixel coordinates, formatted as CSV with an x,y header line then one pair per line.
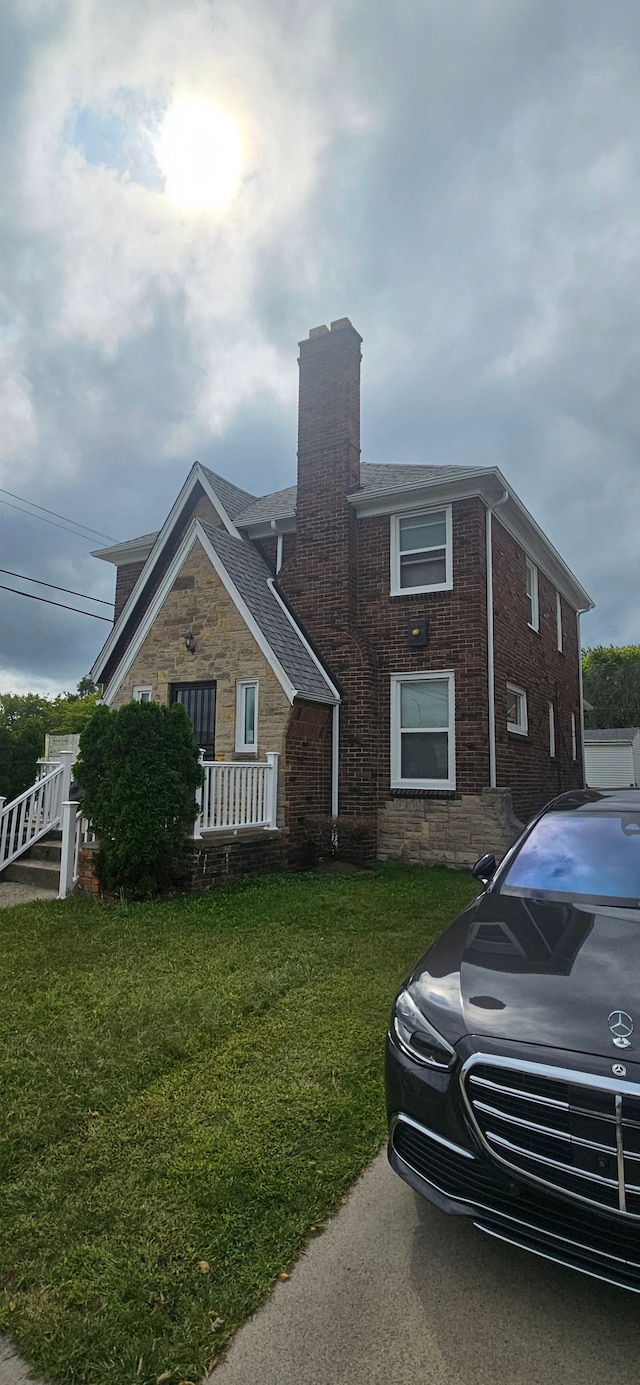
x,y
533,616
422,731
141,693
559,621
421,556
552,731
247,714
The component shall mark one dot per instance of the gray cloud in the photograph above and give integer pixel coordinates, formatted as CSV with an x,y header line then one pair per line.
x,y
460,180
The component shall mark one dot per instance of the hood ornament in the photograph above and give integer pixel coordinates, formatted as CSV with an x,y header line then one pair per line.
x,y
621,1026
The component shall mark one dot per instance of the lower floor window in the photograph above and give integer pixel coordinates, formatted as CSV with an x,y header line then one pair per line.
x,y
247,715
422,731
142,693
517,719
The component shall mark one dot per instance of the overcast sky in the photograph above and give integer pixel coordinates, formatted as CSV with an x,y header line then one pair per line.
x,y
459,177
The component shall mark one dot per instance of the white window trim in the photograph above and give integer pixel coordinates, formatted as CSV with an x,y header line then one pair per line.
x,y
447,585
139,690
241,689
397,782
574,737
519,728
534,623
559,630
552,731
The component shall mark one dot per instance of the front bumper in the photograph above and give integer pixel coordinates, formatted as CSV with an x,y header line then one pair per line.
x,y
435,1149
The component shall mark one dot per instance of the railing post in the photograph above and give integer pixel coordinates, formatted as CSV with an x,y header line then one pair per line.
x,y
2,801
272,761
197,826
66,758
67,853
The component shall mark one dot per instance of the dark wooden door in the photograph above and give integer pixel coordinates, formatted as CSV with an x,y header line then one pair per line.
x,y
199,702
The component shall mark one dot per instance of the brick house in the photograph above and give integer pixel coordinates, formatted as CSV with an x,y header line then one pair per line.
x,y
397,646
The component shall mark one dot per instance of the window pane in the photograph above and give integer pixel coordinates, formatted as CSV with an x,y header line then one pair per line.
x,y
425,755
425,703
423,531
595,855
514,701
250,716
428,571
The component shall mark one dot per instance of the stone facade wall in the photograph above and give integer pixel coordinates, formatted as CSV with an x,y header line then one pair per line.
x,y
454,832
225,651
199,506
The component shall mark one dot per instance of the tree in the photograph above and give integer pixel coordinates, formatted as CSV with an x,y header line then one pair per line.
x,y
612,685
139,767
25,719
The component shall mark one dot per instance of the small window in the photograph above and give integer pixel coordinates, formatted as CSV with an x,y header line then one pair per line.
x,y
517,720
421,552
574,737
533,618
247,715
552,731
422,731
559,621
142,693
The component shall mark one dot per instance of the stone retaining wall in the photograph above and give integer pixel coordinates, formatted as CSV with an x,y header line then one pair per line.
x,y
450,832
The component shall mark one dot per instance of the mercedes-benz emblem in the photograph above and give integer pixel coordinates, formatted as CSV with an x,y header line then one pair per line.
x,y
621,1026
619,1070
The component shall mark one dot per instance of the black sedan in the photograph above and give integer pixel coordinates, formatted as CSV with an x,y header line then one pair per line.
x,y
512,1061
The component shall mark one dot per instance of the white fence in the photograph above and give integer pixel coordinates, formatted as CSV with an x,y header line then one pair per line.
x,y
35,812
237,795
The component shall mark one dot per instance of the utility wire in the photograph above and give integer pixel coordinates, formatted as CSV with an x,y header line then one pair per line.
x,y
97,532
79,532
41,583
32,597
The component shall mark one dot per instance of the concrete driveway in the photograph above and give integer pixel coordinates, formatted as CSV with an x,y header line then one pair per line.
x,y
396,1293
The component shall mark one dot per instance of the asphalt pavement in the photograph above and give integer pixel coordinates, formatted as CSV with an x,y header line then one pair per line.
x,y
394,1292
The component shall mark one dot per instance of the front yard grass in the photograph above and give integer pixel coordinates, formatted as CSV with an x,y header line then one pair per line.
x,y
187,1089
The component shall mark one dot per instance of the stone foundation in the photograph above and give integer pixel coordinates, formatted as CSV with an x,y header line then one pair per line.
x,y
450,832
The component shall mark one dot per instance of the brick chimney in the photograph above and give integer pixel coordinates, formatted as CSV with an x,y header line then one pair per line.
x,y
328,468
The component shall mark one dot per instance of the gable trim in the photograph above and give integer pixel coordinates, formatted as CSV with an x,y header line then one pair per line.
x,y
196,533
196,474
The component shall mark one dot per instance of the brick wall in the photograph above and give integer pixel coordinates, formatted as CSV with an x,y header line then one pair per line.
x,y
531,659
126,577
307,779
220,858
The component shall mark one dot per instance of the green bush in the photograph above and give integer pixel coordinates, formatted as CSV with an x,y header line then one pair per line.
x,y
139,768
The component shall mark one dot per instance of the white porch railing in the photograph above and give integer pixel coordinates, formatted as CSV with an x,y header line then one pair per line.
x,y
35,812
76,832
237,795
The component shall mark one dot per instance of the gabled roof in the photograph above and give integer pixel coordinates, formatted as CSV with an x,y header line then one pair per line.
x,y
250,585
254,582
233,499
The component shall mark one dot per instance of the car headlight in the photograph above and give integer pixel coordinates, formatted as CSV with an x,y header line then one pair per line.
x,y
415,1036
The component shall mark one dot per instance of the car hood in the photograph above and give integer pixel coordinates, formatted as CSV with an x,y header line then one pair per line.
x,y
535,972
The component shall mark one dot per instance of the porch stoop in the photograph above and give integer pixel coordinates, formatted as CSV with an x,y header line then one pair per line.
x,y
39,866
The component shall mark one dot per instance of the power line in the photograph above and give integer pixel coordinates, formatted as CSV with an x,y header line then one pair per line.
x,y
63,605
98,532
41,583
78,533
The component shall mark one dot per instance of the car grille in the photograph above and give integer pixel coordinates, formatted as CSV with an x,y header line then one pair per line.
x,y
526,1215
579,1137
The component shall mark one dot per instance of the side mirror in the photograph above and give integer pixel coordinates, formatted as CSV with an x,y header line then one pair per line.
x,y
485,868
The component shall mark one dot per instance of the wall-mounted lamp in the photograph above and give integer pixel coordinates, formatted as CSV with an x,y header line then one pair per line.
x,y
189,643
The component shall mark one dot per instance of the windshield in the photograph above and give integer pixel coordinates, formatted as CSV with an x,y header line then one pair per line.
x,y
595,858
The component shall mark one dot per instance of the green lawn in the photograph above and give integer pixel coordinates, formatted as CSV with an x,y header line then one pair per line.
x,y
188,1082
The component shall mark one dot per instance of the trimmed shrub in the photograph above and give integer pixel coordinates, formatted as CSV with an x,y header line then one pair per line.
x,y
139,768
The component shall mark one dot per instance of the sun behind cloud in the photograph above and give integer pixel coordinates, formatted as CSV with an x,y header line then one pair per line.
x,y
200,153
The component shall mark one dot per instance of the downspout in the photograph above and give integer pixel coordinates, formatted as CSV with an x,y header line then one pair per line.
x,y
581,685
335,760
491,685
279,544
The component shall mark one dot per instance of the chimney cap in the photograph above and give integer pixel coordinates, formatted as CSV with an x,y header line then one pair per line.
x,y
319,331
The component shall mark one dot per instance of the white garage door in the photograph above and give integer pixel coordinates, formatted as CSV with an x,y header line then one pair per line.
x,y
609,766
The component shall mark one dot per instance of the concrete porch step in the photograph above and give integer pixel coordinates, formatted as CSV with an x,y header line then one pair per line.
x,y
45,850
45,875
